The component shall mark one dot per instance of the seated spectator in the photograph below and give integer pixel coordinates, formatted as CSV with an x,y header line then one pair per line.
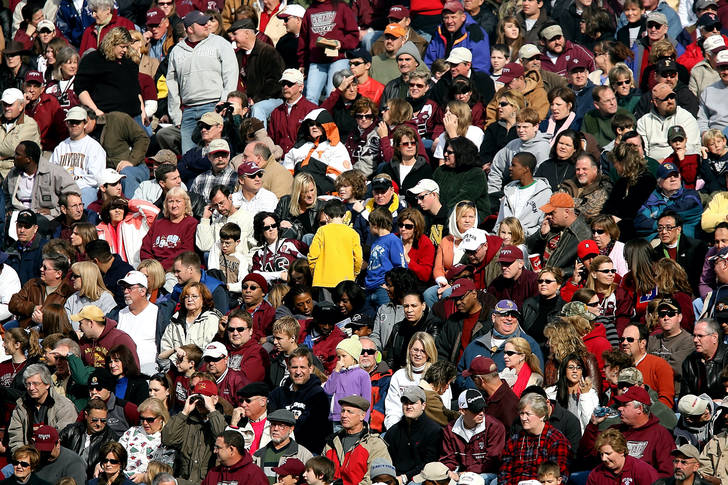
x,y
574,390
85,437
72,211
276,178
503,129
563,117
282,447
273,255
387,252
598,121
417,318
111,467
245,354
25,461
56,461
427,193
515,282
220,173
678,247
589,188
458,122
26,257
150,190
254,289
187,268
363,141
131,386
687,164
560,165
711,169
612,448
17,126
227,381
695,426
144,442
45,110
106,20
252,197
538,310
124,224
112,267
461,176
419,251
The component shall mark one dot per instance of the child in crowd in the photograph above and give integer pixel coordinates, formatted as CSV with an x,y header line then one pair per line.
x,y
290,472
387,252
549,473
227,256
184,363
348,379
499,55
319,471
360,325
688,164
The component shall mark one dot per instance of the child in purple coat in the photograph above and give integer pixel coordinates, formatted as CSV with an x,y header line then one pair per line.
x,y
347,379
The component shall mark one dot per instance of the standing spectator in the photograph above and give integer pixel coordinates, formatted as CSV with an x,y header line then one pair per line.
x,y
287,45
106,19
195,79
286,119
138,319
227,381
245,354
99,335
656,371
27,255
386,253
712,114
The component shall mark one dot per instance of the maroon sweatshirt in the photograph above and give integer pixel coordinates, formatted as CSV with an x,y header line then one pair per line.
x,y
331,20
165,240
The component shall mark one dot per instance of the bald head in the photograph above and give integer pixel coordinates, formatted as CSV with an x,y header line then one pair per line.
x,y
664,99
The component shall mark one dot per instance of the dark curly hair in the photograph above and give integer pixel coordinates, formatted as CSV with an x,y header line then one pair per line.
x,y
403,281
258,225
467,154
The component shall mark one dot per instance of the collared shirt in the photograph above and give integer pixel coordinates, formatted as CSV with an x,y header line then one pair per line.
x,y
156,48
264,200
204,182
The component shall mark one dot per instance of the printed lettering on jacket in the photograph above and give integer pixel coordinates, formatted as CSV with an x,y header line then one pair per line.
x,y
323,22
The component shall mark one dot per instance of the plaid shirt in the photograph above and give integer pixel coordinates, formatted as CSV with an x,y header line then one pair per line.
x,y
524,452
204,182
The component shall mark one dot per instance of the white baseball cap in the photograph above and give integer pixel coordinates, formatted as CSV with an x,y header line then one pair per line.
x,y
215,350
713,42
292,76
425,185
12,95
134,278
473,239
458,55
292,10
110,176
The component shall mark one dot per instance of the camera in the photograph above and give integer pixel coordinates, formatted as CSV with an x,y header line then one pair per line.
x,y
224,108
607,411
196,397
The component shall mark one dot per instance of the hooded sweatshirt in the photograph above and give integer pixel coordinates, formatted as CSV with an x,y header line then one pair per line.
x,y
244,471
93,351
539,146
448,252
513,204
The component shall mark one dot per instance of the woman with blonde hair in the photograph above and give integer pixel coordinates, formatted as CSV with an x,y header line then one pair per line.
x,y
511,232
299,212
457,121
172,234
621,80
139,53
154,468
144,443
564,339
64,61
90,289
153,270
421,354
523,368
501,122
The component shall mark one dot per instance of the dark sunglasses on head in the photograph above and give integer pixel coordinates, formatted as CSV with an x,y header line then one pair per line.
x,y
406,225
147,419
360,116
368,351
104,461
666,313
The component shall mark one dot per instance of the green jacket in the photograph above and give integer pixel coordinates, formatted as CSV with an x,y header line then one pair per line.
x,y
600,126
122,138
456,186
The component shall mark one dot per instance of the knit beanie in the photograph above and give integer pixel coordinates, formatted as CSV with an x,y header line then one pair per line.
x,y
351,346
410,48
257,278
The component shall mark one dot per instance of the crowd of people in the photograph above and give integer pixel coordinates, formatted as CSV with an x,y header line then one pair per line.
x,y
365,242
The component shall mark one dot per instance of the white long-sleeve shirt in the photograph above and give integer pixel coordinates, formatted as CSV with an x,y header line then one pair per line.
x,y
84,159
9,285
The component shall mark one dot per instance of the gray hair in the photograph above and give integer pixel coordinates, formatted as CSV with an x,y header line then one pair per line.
x,y
164,478
536,402
262,150
73,347
98,4
64,55
711,324
60,262
420,74
339,76
38,369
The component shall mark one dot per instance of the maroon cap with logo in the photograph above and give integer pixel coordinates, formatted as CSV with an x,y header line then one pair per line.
x,y
453,6
45,438
508,254
510,71
462,286
398,12
34,77
480,366
155,16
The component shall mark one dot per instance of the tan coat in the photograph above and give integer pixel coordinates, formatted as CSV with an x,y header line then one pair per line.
x,y
534,92
25,129
277,179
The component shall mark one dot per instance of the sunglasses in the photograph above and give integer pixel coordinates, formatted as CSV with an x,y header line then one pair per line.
x,y
161,4
666,313
270,226
422,196
255,176
96,388
503,104
606,271
407,144
667,98
449,152
406,225
416,85
45,31
627,339
71,122
593,303
623,83
21,463
509,314
212,359
599,232
356,63
98,420
654,25
368,351
547,281
364,117
286,84
236,329
104,461
624,385
669,74
511,353
147,419
204,126
250,287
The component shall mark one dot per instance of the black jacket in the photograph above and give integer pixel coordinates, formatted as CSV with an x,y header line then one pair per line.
x,y
287,47
691,256
704,377
310,405
119,268
449,340
534,317
625,201
496,137
413,443
395,350
114,86
262,73
137,389
420,170
481,80
73,437
556,172
306,223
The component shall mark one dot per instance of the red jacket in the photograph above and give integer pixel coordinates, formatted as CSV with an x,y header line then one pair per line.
x,y
251,360
324,348
47,112
479,455
331,20
263,318
165,240
634,472
689,167
693,54
93,352
422,258
596,342
227,388
244,472
283,128
352,466
570,51
91,40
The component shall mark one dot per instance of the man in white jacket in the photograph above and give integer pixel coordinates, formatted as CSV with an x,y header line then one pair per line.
x,y
202,71
665,113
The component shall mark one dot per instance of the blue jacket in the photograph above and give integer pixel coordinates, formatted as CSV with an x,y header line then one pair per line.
x,y
482,346
472,36
71,23
584,102
387,252
218,290
674,27
685,202
26,260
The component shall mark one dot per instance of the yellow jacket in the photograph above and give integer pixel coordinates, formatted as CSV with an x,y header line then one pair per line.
x,y
334,255
716,212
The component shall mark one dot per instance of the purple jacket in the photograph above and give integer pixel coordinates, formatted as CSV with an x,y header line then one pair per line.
x,y
353,381
707,277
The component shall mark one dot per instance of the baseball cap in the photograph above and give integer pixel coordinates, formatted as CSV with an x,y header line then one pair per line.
x,y
551,31
473,239
480,366
721,59
12,95
692,405
360,53
27,217
282,416
510,71
205,387
577,309
34,77
722,254
76,113
456,270
505,306
425,185
666,65
413,394
292,10
359,320
703,4
218,145
89,312
382,466
215,350
558,200
472,400
587,248
433,471
245,24
576,63
670,303
630,375
134,278
292,466
658,17
709,19
165,156
211,118
460,287
528,51
45,438
154,16
712,43
721,309
382,181
687,450
195,17
292,76
248,168
470,478
459,55
665,169
102,378
398,12
508,254
634,393
46,24
395,30
110,176
676,131
355,402
453,6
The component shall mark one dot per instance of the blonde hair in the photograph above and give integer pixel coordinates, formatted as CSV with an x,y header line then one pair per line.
x,y
116,36
523,347
300,183
464,115
92,283
430,350
563,338
513,97
711,135
287,325
399,111
518,237
134,54
155,273
156,406
154,468
277,293
178,192
591,281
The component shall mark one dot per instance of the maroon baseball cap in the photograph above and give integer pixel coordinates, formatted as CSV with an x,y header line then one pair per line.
x,y
576,63
34,77
510,71
456,270
480,366
292,466
398,12
508,254
45,438
453,6
634,393
155,16
462,286
249,168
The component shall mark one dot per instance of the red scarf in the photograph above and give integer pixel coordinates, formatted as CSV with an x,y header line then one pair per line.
x,y
522,381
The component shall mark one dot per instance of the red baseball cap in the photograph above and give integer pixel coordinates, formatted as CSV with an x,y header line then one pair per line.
x,y
155,16
34,77
510,71
480,366
634,393
587,248
45,438
206,388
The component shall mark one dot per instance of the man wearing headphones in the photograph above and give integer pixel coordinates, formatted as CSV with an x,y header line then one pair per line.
x,y
371,361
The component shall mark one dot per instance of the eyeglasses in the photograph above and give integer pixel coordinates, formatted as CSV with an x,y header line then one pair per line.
x,y
406,225
356,63
104,461
508,315
627,339
511,353
667,98
98,420
191,297
697,335
654,25
623,83
606,271
598,232
368,351
236,329
270,226
422,196
503,104
573,367
360,116
417,85
20,463
545,280
255,175
667,313
665,228
147,419
250,287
